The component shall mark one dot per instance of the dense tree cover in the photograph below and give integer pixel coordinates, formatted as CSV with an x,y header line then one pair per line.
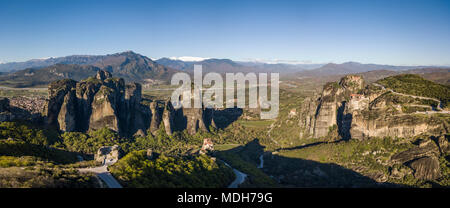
x,y
28,133
90,143
179,143
416,85
18,139
19,149
45,177
11,161
136,170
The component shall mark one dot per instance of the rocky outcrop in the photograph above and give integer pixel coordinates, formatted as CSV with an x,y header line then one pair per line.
x,y
323,115
67,113
195,120
56,93
168,116
421,159
97,102
104,101
444,146
350,110
108,155
105,112
427,148
156,117
426,168
401,126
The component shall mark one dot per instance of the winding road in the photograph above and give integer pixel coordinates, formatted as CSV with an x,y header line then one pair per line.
x,y
240,177
433,111
103,173
261,161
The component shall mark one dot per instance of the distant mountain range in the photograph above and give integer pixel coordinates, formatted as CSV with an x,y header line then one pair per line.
x,y
227,65
128,65
352,68
135,67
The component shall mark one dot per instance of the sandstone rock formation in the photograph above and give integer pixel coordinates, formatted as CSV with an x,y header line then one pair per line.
x,y
422,159
97,102
320,116
350,110
104,101
426,168
108,155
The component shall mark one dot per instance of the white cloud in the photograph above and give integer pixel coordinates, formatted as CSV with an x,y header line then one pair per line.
x,y
43,59
188,58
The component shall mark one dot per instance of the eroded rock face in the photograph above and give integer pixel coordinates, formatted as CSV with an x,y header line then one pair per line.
x,y
319,116
444,146
67,113
102,75
195,120
426,149
97,102
156,117
426,168
104,101
56,93
403,126
168,116
422,159
360,112
108,155
104,110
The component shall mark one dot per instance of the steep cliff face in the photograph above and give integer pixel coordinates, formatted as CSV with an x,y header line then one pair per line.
x,y
350,110
57,92
105,110
97,102
321,116
423,159
168,117
104,101
156,117
67,113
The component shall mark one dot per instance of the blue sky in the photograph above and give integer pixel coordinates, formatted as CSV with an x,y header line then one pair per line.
x,y
401,32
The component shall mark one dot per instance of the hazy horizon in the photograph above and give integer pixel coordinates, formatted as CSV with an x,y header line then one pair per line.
x,y
256,61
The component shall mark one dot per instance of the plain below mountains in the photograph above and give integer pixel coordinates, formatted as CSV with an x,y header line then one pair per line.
x,y
128,65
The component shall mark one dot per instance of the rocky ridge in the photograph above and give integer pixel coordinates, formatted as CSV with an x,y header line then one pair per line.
x,y
349,109
104,101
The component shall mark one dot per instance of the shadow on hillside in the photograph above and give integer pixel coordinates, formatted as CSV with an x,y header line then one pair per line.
x,y
58,156
21,114
295,172
224,117
309,145
301,146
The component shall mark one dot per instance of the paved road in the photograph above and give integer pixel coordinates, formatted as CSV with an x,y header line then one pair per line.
x,y
261,161
240,177
103,173
437,110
